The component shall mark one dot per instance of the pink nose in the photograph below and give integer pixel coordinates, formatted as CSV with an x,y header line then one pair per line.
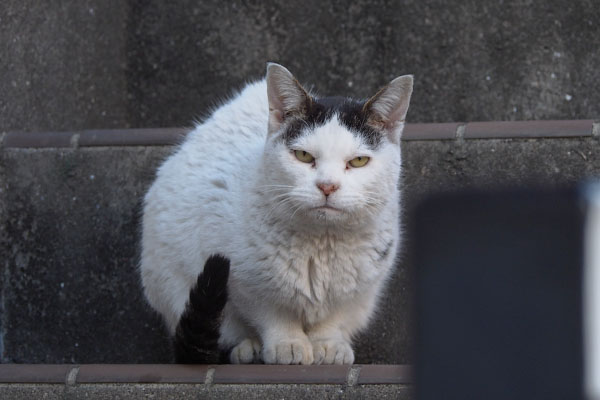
x,y
328,188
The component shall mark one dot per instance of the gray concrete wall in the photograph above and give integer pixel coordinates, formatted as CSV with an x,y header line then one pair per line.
x,y
104,64
69,234
63,64
69,217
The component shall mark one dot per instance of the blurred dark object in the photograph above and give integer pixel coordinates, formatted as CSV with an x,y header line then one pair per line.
x,y
498,299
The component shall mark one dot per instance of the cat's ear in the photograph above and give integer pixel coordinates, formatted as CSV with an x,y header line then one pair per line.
x,y
387,109
286,96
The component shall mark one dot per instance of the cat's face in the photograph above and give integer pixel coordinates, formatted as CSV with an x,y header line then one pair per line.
x,y
332,160
330,172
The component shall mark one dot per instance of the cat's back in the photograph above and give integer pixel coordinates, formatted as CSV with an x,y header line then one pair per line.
x,y
233,129
240,121
198,189
219,151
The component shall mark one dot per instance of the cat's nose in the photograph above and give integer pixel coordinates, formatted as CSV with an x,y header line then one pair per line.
x,y
328,188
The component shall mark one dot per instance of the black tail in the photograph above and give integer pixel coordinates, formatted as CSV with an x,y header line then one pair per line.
x,y
197,334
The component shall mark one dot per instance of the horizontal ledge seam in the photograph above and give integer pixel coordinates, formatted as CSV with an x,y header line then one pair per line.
x,y
414,131
200,374
411,140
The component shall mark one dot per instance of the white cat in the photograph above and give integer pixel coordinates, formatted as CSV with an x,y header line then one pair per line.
x,y
302,195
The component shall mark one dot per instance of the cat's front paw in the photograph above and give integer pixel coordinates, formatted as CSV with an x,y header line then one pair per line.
x,y
288,351
247,352
332,352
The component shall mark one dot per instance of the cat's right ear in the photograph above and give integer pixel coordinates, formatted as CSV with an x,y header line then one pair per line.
x,y
387,109
287,97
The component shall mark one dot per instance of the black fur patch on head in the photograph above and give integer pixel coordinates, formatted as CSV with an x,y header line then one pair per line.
x,y
319,111
197,334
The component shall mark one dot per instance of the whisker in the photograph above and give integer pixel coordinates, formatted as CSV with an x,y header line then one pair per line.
x,y
280,186
297,209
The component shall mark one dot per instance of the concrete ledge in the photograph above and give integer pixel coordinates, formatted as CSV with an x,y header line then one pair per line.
x,y
69,233
206,374
419,131
129,391
95,138
534,129
159,381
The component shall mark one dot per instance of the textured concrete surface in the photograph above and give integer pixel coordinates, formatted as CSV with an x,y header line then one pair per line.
x,y
62,64
68,242
71,287
183,391
102,64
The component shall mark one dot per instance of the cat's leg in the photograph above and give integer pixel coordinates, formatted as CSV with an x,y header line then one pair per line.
x,y
331,343
331,338
241,339
284,340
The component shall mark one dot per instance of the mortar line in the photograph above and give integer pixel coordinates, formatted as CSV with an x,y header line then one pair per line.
x,y
460,131
596,129
71,378
2,136
353,375
75,140
210,375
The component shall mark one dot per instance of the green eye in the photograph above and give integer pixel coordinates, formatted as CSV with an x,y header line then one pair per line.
x,y
359,161
304,156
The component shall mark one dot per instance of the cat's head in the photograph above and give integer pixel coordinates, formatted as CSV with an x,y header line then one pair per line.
x,y
332,160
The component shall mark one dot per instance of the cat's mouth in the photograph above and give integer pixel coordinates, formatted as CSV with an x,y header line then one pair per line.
x,y
327,208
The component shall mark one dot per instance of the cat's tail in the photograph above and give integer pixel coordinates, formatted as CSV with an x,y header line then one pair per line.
x,y
197,334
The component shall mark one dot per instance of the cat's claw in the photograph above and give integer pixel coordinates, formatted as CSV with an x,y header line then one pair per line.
x,y
247,352
290,351
332,352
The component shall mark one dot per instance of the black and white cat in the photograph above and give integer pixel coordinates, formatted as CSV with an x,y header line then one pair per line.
x,y
301,195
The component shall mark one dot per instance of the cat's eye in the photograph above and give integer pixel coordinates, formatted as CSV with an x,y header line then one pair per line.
x,y
304,156
358,162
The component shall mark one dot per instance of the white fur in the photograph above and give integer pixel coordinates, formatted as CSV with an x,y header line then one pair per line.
x,y
303,281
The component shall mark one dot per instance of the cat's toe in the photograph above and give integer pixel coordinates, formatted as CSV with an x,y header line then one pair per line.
x,y
318,353
247,352
291,351
332,352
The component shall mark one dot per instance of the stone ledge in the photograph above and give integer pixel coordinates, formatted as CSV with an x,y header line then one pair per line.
x,y
70,230
529,129
417,131
206,374
160,391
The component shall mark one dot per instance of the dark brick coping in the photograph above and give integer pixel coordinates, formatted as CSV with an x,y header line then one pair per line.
x,y
418,131
206,374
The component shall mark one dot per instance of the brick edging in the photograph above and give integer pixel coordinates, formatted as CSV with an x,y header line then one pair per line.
x,y
416,131
206,374
96,138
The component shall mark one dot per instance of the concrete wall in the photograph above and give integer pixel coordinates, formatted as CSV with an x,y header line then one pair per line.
x,y
68,237
69,225
105,64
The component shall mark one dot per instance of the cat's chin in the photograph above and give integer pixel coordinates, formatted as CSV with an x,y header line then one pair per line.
x,y
327,209
329,214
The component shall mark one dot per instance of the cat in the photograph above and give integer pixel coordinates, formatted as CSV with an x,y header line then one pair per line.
x,y
301,195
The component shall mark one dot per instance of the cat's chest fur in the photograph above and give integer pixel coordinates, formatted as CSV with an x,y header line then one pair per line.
x,y
312,274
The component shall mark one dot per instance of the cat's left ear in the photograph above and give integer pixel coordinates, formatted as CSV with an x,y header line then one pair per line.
x,y
387,109
287,98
